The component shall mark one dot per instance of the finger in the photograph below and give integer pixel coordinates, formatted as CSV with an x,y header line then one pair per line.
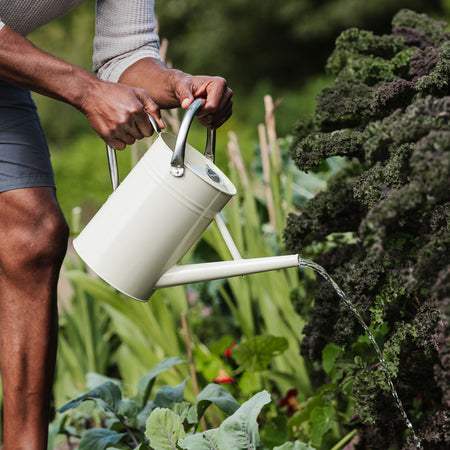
x,y
120,140
217,94
151,108
215,120
116,144
143,126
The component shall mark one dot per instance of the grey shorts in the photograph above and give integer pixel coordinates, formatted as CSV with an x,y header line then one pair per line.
x,y
24,156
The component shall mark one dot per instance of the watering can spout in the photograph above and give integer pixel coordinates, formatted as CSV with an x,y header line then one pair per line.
x,y
194,273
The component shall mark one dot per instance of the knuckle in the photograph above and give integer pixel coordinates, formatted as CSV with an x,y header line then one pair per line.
x,y
151,108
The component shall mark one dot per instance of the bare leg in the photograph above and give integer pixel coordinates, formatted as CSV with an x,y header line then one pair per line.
x,y
33,240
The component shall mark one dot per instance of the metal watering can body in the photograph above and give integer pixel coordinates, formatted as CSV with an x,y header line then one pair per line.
x,y
157,213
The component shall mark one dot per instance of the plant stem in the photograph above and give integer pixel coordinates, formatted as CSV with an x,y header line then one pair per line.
x,y
128,429
265,160
191,360
344,440
189,351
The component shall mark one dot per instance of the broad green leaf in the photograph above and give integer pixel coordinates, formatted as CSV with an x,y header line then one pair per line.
x,y
144,414
107,395
164,429
297,445
146,382
214,393
127,409
275,431
168,395
95,379
239,431
321,421
99,439
182,410
329,354
256,353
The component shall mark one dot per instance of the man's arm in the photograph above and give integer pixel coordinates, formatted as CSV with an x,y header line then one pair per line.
x,y
118,113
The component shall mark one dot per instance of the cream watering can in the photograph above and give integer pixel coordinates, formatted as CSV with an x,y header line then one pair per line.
x,y
158,212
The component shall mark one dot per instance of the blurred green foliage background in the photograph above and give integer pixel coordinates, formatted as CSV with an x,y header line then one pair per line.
x,y
261,47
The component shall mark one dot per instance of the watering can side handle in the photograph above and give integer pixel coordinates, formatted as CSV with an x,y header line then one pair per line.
x,y
210,149
112,165
177,161
112,157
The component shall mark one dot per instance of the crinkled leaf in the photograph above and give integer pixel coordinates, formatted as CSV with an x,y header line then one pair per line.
x,y
297,445
239,431
256,353
321,421
146,382
169,394
164,429
214,393
107,395
99,439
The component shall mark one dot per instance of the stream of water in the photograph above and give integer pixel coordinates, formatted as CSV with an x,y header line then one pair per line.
x,y
320,270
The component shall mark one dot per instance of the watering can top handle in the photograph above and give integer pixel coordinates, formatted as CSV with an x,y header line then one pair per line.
x,y
177,162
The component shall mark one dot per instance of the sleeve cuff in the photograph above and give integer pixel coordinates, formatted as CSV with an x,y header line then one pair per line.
x,y
112,70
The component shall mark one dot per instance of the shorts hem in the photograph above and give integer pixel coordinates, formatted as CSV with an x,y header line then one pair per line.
x,y
27,183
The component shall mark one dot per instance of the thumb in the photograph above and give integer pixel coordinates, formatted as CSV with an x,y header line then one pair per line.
x,y
184,93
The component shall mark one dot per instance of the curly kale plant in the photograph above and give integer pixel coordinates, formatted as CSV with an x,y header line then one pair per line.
x,y
388,113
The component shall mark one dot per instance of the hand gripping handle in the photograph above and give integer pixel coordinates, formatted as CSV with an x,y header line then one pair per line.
x,y
112,157
177,162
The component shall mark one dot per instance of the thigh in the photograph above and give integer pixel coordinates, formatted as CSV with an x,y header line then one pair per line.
x,y
24,156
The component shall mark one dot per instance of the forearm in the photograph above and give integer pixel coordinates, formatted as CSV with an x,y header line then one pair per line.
x,y
156,79
23,64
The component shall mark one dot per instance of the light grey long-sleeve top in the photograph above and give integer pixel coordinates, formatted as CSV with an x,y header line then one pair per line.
x,y
124,29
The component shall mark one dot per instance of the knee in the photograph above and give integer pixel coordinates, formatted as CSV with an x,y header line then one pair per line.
x,y
42,243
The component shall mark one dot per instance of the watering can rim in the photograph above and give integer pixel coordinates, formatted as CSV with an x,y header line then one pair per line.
x,y
177,160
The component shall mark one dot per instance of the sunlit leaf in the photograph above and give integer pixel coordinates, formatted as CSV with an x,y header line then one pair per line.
x,y
164,429
256,353
239,431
